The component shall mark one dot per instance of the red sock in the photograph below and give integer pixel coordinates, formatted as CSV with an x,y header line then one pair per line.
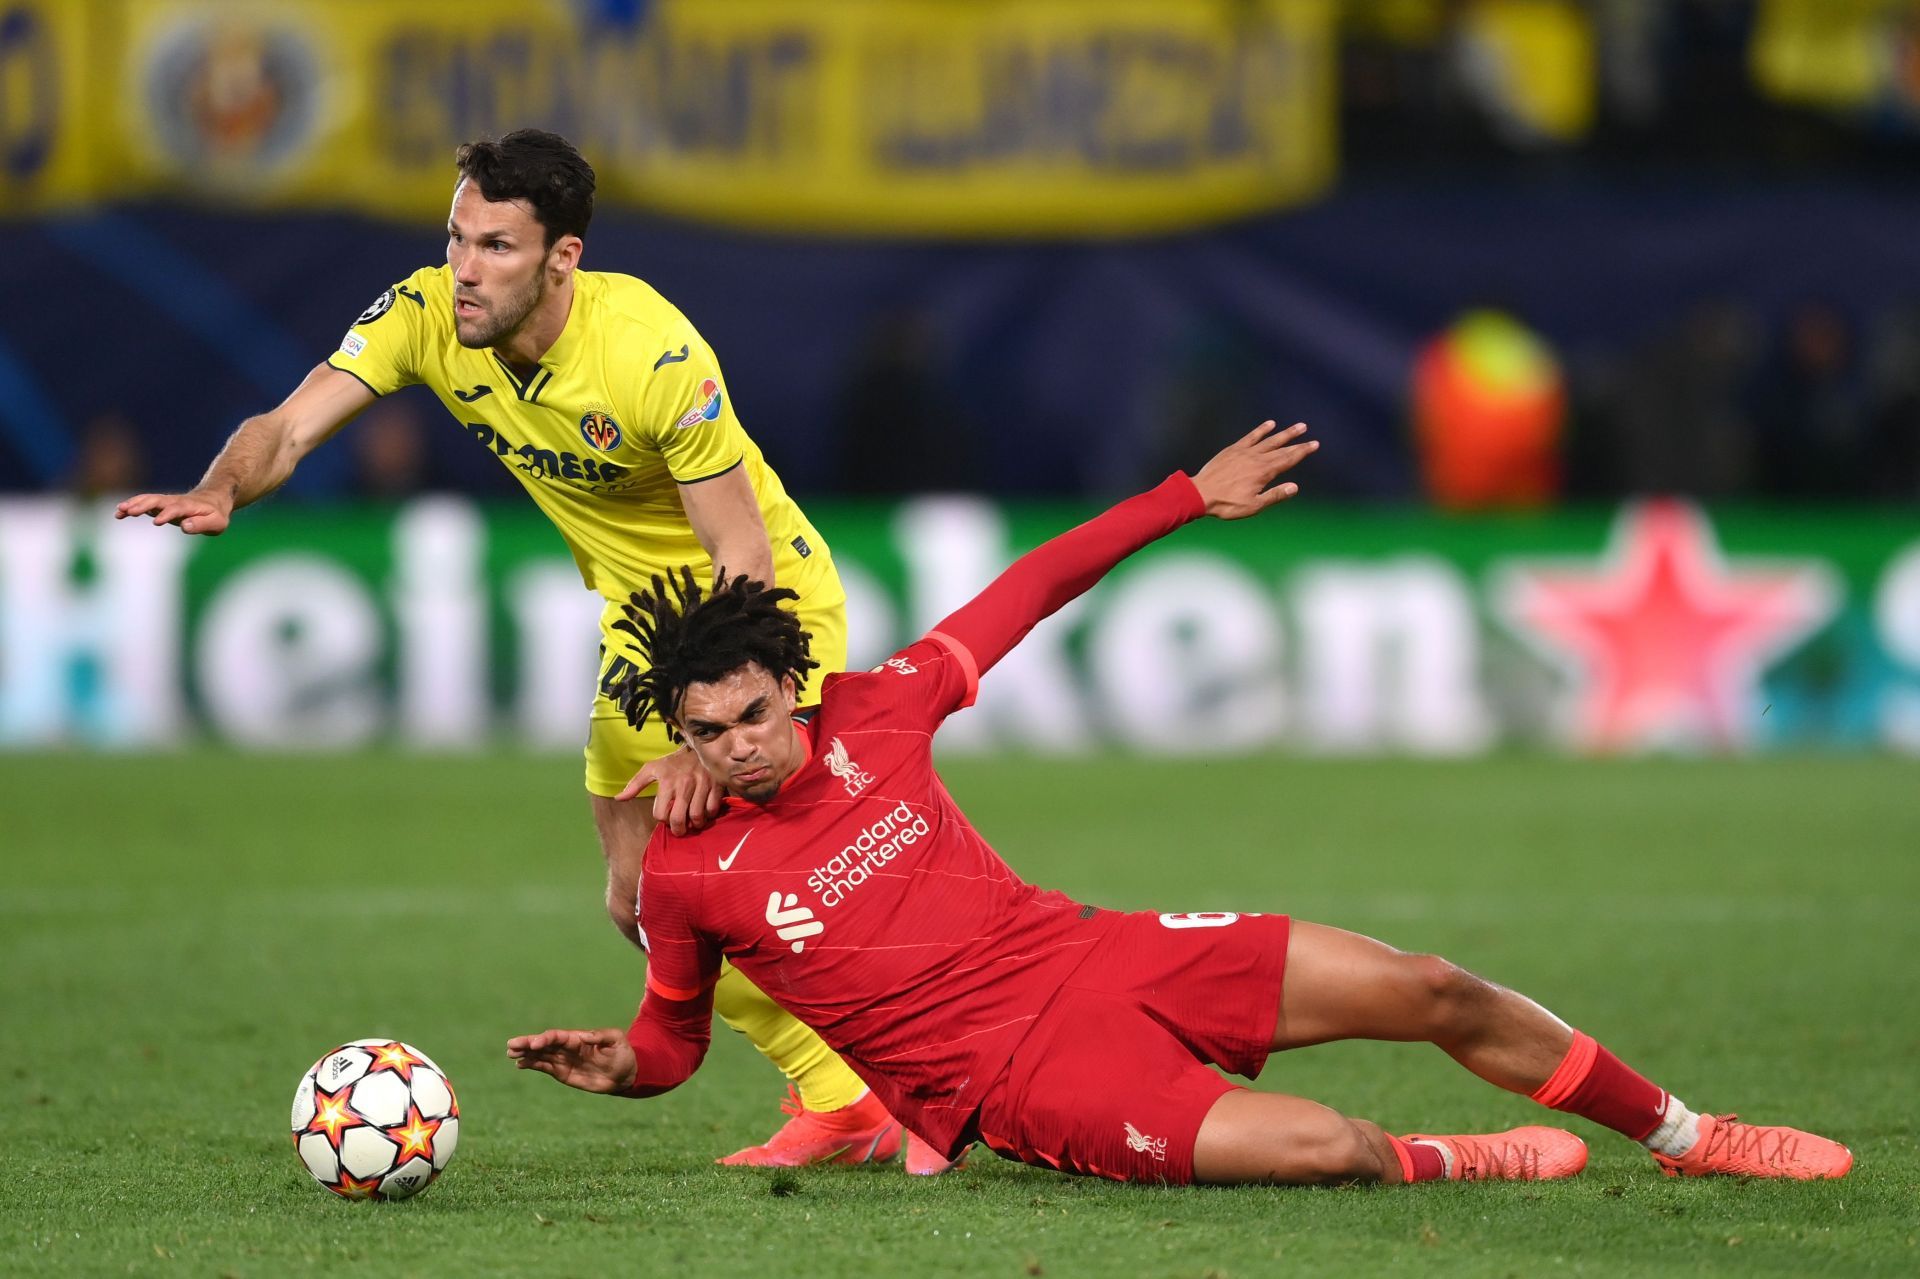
x,y
1594,1084
1418,1160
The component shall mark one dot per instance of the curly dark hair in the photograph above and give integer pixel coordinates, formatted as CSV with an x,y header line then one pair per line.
x,y
696,637
539,167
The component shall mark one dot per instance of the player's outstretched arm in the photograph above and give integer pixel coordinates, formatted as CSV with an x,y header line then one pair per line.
x,y
725,515
1239,480
591,1060
1237,483
259,456
659,1052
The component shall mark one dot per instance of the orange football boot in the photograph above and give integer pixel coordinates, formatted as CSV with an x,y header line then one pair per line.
x,y
1728,1148
924,1161
857,1134
1532,1153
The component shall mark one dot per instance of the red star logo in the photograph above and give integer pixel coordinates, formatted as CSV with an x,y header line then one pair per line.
x,y
352,1187
415,1136
1664,642
332,1115
398,1058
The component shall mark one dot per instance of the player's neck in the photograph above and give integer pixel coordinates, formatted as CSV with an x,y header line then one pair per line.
x,y
541,329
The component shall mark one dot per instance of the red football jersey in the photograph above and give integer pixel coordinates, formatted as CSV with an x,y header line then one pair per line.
x,y
861,900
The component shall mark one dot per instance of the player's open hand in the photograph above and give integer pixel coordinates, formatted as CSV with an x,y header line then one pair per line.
x,y
590,1060
1235,484
195,512
688,797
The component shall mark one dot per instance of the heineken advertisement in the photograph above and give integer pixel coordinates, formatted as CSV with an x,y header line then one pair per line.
x,y
445,625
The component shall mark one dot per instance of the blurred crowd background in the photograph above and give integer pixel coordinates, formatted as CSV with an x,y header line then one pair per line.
x,y
1499,252
1521,263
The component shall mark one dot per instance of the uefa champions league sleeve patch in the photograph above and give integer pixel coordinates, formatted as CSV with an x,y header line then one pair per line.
x,y
381,305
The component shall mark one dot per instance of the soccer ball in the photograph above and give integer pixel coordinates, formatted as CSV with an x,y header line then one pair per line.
x,y
375,1119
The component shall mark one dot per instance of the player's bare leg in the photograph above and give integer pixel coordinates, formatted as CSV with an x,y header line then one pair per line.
x,y
1270,1137
1340,985
624,830
834,1119
1273,1139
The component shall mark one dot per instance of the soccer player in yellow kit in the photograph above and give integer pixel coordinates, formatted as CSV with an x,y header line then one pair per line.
x,y
608,407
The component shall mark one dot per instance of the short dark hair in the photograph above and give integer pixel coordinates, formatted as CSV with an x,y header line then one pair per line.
x,y
696,637
539,167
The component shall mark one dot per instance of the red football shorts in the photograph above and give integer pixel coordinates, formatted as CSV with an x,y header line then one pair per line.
x,y
1112,1079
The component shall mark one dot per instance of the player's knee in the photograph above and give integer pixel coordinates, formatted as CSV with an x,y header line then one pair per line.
x,y
1333,1153
1448,993
620,909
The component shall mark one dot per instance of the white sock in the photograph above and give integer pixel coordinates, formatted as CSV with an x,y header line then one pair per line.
x,y
1677,1132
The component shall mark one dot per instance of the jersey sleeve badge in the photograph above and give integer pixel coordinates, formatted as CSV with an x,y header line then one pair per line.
x,y
706,409
381,305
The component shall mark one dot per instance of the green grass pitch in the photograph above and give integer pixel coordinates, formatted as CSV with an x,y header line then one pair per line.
x,y
181,936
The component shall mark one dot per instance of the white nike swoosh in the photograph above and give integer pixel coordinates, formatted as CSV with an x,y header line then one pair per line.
x,y
728,859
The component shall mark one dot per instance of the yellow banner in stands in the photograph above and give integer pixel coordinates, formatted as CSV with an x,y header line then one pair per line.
x,y
907,117
1846,55
51,108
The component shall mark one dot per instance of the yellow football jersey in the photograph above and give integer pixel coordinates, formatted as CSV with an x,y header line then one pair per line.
x,y
627,404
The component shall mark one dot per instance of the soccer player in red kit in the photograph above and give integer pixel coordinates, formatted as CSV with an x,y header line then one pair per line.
x,y
847,884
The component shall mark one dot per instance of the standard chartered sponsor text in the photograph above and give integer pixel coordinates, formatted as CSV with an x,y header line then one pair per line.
x,y
872,849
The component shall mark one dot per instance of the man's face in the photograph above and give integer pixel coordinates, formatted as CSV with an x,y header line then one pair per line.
x,y
500,260
741,728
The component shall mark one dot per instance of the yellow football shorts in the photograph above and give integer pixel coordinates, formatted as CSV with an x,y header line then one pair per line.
x,y
616,751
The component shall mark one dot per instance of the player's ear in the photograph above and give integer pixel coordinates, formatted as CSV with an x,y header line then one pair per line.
x,y
564,256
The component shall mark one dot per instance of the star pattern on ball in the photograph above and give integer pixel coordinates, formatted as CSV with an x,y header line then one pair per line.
x,y
398,1058
352,1187
1664,640
415,1136
332,1115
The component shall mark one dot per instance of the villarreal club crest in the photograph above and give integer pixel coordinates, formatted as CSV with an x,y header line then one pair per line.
x,y
375,1119
599,430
